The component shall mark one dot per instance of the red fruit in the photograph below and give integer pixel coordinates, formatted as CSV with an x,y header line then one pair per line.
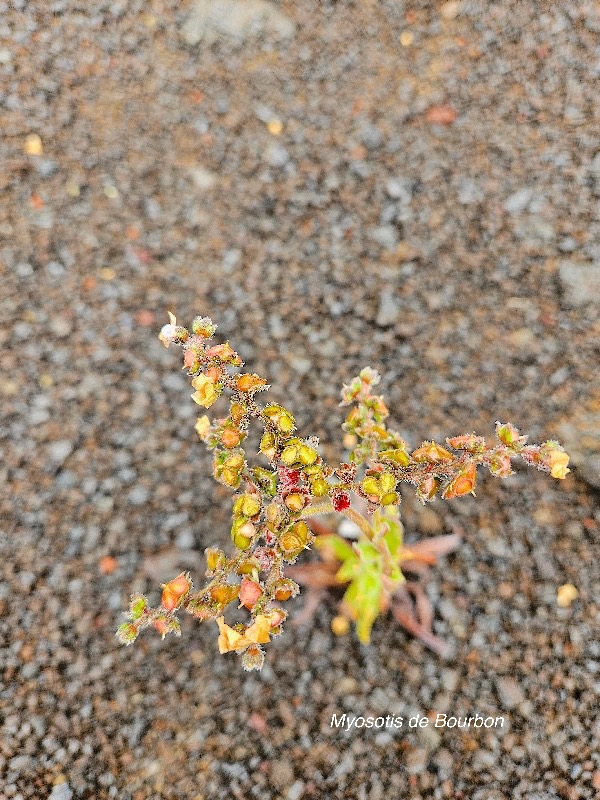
x,y
289,477
341,501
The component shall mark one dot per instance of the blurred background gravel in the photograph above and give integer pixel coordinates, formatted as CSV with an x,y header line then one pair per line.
x,y
412,186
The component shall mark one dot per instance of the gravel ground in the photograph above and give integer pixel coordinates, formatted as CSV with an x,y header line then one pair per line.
x,y
413,187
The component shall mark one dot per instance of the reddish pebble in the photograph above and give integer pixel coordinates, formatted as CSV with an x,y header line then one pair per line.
x,y
441,115
107,565
258,723
145,318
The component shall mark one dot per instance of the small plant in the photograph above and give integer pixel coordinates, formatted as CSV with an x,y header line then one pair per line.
x,y
273,505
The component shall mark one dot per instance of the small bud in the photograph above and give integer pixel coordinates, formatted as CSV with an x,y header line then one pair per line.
x,y
469,442
555,459
250,382
499,465
215,558
171,332
161,625
191,360
137,606
509,435
224,353
276,617
199,609
369,376
127,633
250,593
397,456
285,588
428,488
431,451
204,326
253,658
464,483
174,591
225,593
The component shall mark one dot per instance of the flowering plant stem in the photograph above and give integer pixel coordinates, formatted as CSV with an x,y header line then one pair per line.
x,y
272,502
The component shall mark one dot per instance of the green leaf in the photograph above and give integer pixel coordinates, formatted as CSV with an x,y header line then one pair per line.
x,y
341,548
363,598
348,570
393,537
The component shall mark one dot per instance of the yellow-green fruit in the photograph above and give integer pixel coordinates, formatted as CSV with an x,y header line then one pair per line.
x,y
240,541
307,455
285,423
313,471
214,558
268,445
248,567
242,533
224,594
398,456
295,538
319,487
235,462
289,455
295,501
371,486
387,482
390,499
230,477
247,505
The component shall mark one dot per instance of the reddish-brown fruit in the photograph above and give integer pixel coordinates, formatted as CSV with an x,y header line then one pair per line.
x,y
250,593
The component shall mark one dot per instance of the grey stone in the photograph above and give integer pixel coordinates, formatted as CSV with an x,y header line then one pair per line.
x,y
580,282
62,791
211,20
518,201
388,312
59,451
295,791
385,235
509,693
579,433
